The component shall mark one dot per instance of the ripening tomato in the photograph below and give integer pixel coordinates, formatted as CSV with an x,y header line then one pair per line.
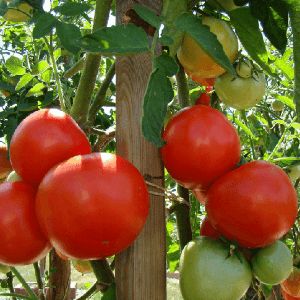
x,y
202,81
44,139
291,285
207,229
202,145
209,88
287,296
22,241
92,206
82,266
256,204
5,166
204,99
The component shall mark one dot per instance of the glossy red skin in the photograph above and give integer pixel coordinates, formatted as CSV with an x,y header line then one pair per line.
x,y
207,229
22,241
44,139
204,99
291,285
256,204
286,296
202,145
5,165
209,88
200,196
92,206
200,80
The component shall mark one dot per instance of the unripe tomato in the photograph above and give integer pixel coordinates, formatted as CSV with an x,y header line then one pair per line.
x,y
293,172
256,204
272,264
202,145
207,229
244,68
277,105
200,80
14,15
196,61
208,272
92,206
5,165
204,99
22,241
291,285
82,266
44,139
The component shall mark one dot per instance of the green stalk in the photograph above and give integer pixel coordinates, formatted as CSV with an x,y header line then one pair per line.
x,y
10,279
15,295
89,292
24,284
100,96
58,84
87,81
182,86
39,279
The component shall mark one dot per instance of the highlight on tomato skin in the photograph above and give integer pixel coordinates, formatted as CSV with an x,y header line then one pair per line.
x,y
98,195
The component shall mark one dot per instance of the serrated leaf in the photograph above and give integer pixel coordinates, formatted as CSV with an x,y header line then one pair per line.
x,y
14,65
67,33
57,53
48,99
244,127
26,78
148,15
36,88
247,29
3,8
110,293
46,76
40,67
44,26
72,9
285,68
172,9
167,63
205,39
116,40
158,94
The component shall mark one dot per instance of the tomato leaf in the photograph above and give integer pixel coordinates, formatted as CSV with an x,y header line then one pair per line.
x,y
72,9
67,33
148,15
110,294
14,65
44,25
172,9
40,67
26,78
245,128
247,29
3,8
266,289
285,68
158,94
204,38
116,40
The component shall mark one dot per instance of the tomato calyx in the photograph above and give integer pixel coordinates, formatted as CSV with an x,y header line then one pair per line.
x,y
233,248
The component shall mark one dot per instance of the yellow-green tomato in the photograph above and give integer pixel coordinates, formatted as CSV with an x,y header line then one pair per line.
x,y
238,92
272,264
82,266
277,105
208,272
294,172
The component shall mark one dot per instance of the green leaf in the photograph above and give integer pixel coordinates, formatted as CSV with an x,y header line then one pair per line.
x,y
48,99
57,53
46,76
285,68
116,40
14,65
44,26
172,9
67,33
205,39
266,289
36,88
26,78
280,122
72,9
158,94
247,29
245,128
110,293
167,63
40,67
148,15
3,8
296,125
170,227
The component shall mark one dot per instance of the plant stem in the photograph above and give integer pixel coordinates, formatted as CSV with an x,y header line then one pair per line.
x,y
182,86
39,279
58,84
100,96
24,283
83,96
89,292
103,271
10,279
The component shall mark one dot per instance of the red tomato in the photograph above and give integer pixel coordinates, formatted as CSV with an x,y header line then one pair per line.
x,y
209,88
207,229
200,80
22,241
200,196
286,296
44,139
256,204
202,145
5,166
92,206
291,285
204,99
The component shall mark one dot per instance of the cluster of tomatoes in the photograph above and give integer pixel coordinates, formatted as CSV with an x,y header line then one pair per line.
x,y
86,205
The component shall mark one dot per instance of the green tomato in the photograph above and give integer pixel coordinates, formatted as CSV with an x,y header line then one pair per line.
x,y
207,272
272,264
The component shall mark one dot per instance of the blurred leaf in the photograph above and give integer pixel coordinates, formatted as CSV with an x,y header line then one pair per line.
x,y
266,289
148,15
14,65
285,68
3,8
36,88
296,125
44,26
26,78
72,9
280,122
110,293
245,128
67,33
40,67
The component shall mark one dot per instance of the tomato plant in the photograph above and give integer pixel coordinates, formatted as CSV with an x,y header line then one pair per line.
x,y
196,61
202,145
208,272
44,139
22,241
272,264
204,99
5,165
21,14
207,229
202,81
291,285
244,204
109,201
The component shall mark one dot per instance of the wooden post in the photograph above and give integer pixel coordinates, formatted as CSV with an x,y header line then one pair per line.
x,y
141,268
